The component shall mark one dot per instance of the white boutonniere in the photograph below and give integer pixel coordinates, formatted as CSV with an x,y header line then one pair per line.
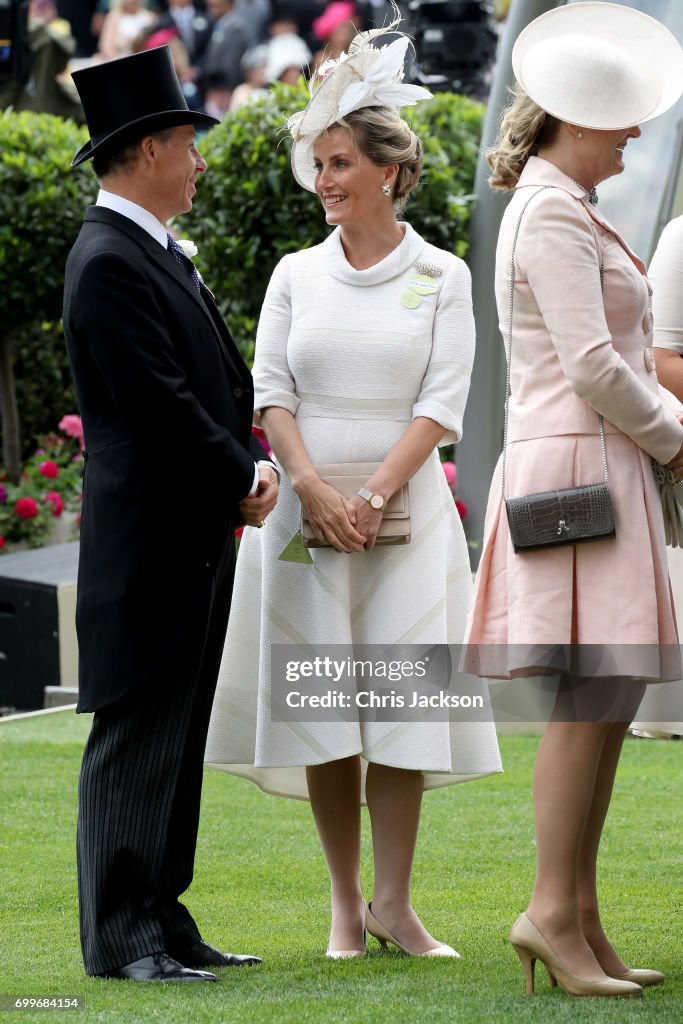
x,y
188,247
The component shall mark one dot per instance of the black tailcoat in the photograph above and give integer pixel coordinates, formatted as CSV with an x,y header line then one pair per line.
x,y
166,403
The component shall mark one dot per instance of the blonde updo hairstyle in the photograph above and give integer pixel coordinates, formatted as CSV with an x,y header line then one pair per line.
x,y
385,138
524,129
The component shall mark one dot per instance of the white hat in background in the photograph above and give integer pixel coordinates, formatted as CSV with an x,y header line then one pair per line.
x,y
286,51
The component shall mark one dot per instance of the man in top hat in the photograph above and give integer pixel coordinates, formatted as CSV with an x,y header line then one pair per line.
x,y
171,468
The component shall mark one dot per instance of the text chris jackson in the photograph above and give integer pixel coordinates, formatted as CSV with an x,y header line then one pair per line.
x,y
392,699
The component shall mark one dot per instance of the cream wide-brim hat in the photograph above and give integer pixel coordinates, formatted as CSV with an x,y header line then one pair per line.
x,y
599,65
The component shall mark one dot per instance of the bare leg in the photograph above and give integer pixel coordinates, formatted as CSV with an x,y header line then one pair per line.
x,y
394,798
573,782
564,781
334,789
588,855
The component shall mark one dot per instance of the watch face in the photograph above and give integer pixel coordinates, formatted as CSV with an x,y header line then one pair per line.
x,y
377,501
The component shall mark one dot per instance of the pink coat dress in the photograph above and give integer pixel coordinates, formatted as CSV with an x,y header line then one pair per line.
x,y
577,352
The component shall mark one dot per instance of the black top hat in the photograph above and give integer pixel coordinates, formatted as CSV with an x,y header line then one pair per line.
x,y
132,97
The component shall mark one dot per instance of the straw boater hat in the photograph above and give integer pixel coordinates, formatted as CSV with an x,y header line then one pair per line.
x,y
131,97
599,65
366,76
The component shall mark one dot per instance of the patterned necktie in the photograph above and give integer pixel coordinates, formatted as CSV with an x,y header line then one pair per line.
x,y
184,261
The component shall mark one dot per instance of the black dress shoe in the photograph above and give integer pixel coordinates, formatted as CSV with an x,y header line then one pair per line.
x,y
201,954
158,967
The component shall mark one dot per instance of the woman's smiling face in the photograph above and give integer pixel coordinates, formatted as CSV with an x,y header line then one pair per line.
x,y
348,183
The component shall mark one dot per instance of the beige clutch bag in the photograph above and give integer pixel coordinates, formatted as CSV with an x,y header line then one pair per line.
x,y
347,478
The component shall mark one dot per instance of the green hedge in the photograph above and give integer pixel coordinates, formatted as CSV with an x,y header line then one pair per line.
x,y
42,204
249,211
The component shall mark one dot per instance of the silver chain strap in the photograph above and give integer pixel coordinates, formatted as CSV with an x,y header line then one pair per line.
x,y
509,353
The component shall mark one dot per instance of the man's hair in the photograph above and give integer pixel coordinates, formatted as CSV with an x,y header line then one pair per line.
x,y
124,156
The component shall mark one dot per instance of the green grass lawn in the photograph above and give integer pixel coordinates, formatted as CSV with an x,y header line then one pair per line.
x,y
261,886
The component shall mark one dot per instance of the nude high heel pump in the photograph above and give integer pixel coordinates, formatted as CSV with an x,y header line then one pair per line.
x,y
377,929
530,946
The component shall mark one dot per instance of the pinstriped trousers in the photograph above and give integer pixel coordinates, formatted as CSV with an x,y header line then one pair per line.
x,y
139,799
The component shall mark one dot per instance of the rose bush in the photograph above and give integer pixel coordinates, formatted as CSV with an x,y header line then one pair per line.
x,y
50,485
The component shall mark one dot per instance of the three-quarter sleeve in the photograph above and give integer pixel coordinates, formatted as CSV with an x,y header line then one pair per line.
x,y
562,267
446,381
666,278
273,381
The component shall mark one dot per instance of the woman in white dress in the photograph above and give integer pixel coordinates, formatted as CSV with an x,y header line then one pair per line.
x,y
363,354
662,709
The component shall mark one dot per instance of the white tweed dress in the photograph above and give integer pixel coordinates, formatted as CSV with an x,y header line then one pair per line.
x,y
354,364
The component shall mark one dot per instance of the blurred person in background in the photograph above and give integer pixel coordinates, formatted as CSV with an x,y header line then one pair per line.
x,y
334,30
121,27
192,23
79,14
254,70
294,17
255,14
221,62
288,60
51,45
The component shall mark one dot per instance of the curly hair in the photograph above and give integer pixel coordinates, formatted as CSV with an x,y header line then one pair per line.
x,y
524,128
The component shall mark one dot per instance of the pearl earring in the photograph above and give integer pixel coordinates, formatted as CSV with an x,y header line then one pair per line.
x,y
579,135
386,190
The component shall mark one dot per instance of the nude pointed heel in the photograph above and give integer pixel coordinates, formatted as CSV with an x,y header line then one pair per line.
x,y
377,929
528,962
530,945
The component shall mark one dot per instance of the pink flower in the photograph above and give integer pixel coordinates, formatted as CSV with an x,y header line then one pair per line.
x,y
239,531
26,508
49,469
461,507
57,502
451,474
72,426
2,542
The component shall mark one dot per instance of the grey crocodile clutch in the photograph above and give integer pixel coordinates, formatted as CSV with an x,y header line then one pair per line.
x,y
549,518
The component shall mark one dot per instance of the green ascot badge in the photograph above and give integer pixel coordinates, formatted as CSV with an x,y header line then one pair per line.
x,y
296,551
410,300
423,285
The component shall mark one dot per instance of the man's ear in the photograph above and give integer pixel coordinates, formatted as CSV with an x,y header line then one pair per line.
x,y
148,149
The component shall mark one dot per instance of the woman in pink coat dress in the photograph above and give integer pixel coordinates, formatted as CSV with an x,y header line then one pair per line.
x,y
588,75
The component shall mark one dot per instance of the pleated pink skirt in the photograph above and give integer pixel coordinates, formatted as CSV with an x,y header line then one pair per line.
x,y
609,600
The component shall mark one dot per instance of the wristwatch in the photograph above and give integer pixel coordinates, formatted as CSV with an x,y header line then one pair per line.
x,y
375,501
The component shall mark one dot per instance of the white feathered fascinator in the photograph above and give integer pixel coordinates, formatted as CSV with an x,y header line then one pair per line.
x,y
366,76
